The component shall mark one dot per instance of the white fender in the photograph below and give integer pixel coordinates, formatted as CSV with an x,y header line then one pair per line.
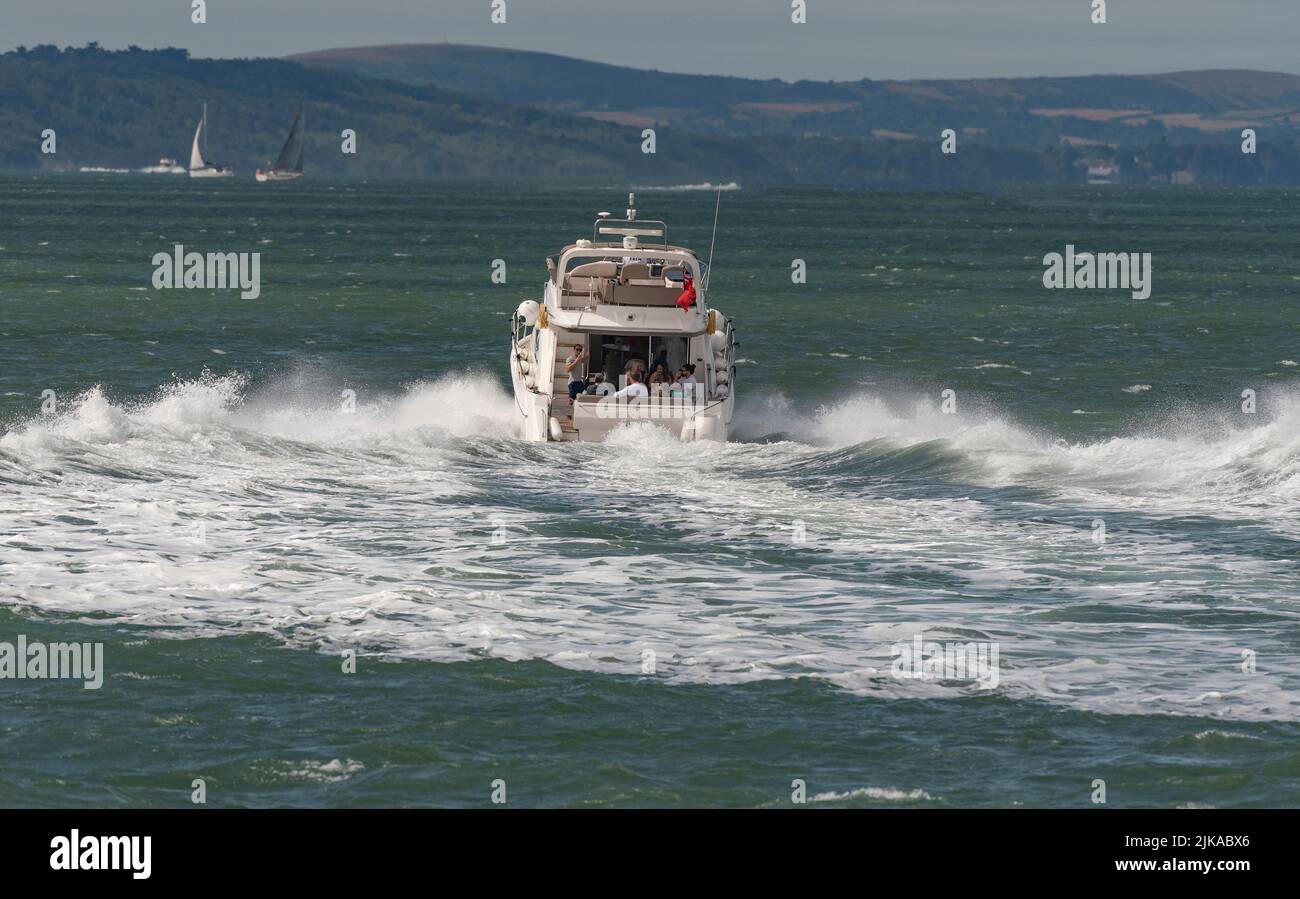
x,y
557,433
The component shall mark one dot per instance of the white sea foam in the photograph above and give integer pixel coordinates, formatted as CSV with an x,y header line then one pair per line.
x,y
332,771
415,527
706,185
884,794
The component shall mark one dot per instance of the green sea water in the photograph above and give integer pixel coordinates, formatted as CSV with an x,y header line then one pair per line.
x,y
644,622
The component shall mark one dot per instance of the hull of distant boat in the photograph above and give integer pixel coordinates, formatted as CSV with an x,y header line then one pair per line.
x,y
274,175
212,171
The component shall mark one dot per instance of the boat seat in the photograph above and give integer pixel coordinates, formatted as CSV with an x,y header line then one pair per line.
x,y
645,295
603,268
590,277
585,277
635,271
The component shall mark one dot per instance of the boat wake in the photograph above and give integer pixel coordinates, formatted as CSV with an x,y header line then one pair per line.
x,y
1189,456
1126,575
300,408
704,186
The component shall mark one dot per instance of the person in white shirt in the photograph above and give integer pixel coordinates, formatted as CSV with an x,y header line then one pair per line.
x,y
635,389
686,381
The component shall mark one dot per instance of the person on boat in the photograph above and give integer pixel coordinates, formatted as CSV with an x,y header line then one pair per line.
x,y
573,367
635,388
599,386
686,299
635,364
660,375
686,380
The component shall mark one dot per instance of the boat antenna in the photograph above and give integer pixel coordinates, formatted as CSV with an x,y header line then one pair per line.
x,y
714,239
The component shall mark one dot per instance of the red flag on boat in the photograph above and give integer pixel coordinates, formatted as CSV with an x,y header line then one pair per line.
x,y
687,297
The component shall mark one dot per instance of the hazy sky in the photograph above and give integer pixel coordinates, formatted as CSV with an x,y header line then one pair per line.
x,y
843,39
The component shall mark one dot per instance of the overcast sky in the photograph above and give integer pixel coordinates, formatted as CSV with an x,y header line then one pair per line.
x,y
842,40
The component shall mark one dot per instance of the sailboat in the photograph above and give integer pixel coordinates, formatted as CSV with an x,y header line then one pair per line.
x,y
199,168
288,166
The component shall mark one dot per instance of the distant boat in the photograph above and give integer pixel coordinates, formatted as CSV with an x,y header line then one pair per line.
x,y
165,166
288,166
199,168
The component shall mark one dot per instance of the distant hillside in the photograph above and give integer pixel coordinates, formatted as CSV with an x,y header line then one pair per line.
x,y
544,79
529,121
129,108
1030,113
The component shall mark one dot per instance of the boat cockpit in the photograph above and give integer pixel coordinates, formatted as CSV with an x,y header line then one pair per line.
x,y
587,276
641,269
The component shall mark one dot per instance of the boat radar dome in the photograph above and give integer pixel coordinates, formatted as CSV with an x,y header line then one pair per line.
x,y
629,242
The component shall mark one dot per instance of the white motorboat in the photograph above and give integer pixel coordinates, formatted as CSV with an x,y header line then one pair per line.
x,y
165,166
629,301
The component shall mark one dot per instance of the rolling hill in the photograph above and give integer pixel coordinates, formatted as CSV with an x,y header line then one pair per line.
x,y
457,112
1028,113
128,108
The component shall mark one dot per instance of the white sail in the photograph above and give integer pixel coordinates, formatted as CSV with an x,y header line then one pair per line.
x,y
196,158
